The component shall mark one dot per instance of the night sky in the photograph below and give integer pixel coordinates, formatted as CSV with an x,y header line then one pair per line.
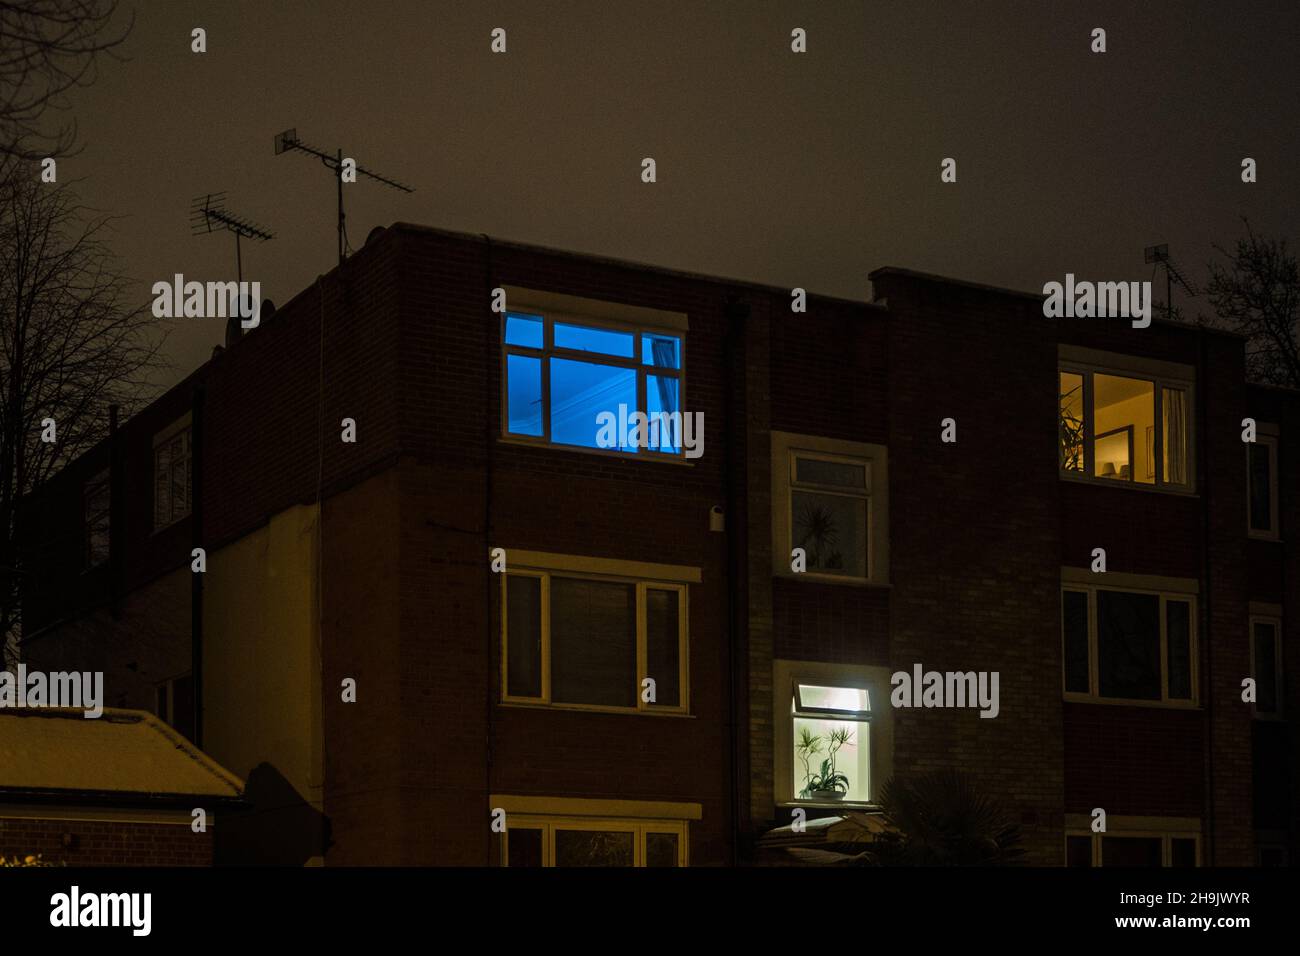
x,y
793,170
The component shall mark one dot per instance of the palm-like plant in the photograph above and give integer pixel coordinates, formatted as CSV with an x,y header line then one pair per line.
x,y
1071,434
827,777
818,535
941,819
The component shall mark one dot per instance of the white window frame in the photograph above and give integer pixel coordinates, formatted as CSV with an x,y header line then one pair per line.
x,y
1073,360
787,448
592,314
1167,829
102,480
786,674
1265,434
166,437
645,577
1166,589
1273,618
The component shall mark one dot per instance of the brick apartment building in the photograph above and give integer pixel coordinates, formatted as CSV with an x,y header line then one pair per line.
x,y
334,565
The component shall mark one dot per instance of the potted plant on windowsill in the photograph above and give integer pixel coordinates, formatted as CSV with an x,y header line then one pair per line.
x,y
827,783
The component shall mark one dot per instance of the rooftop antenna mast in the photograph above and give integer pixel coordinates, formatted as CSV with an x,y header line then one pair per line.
x,y
1160,256
288,140
208,213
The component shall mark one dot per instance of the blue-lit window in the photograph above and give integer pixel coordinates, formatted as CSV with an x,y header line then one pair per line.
x,y
570,382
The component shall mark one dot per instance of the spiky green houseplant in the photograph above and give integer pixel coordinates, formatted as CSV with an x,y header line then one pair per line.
x,y
827,782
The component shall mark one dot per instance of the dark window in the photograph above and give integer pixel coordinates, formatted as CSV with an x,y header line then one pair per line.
x,y
1128,645
183,706
1261,482
660,849
663,645
594,847
1078,851
1182,852
524,636
1178,637
1266,674
1074,609
525,846
97,501
1131,851
593,642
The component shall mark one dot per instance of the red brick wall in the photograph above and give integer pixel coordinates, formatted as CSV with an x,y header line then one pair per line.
x,y
975,540
102,843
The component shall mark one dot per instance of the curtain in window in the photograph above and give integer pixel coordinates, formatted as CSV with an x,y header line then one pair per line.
x,y
1175,413
665,353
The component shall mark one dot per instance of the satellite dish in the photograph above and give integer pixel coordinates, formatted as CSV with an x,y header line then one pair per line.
x,y
375,234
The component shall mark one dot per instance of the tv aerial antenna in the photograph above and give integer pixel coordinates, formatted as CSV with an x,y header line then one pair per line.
x,y
288,140
1159,255
208,213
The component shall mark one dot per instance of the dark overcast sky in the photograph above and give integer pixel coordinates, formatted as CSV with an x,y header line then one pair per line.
x,y
787,169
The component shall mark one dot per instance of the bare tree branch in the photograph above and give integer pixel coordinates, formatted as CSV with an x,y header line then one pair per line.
x,y
48,47
1257,293
72,343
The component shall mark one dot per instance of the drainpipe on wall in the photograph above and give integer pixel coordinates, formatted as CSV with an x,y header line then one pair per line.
x,y
115,526
196,580
1203,489
488,441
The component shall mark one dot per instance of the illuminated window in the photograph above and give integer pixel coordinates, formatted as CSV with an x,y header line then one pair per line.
x,y
1121,427
576,382
832,743
599,641
96,502
1261,483
536,840
173,478
1128,644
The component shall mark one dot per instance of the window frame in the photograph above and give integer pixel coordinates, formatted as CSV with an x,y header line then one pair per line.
x,y
786,676
787,449
640,827
642,585
1275,621
1265,434
1165,594
1139,831
165,437
101,480
1088,363
549,350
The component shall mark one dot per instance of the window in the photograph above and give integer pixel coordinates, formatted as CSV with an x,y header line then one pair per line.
x,y
1123,424
608,639
175,704
1132,645
593,841
829,501
1266,666
1261,483
579,381
96,502
833,733
173,481
832,739
1146,842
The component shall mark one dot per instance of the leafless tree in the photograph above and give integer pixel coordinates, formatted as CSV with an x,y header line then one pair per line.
x,y
48,47
72,343
1257,293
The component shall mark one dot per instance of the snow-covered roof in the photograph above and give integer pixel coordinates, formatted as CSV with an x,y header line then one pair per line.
x,y
130,752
